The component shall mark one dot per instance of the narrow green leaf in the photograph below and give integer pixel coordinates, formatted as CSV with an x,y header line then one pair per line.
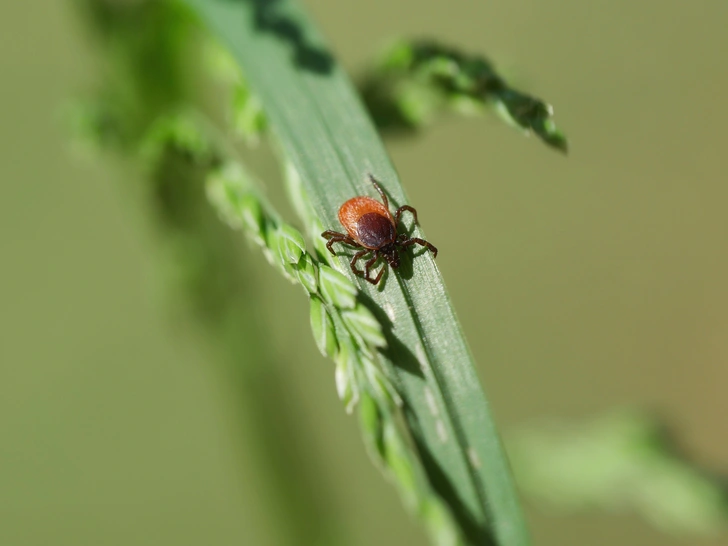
x,y
321,126
307,274
178,130
248,118
322,327
381,386
370,420
363,323
272,250
228,190
336,289
251,214
344,373
291,245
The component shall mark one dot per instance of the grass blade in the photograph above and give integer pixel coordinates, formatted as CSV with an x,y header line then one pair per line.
x,y
324,132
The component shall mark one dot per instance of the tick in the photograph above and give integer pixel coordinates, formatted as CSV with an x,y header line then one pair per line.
x,y
371,228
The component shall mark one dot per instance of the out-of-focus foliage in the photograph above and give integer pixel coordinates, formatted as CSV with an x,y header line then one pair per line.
x,y
624,461
416,80
147,109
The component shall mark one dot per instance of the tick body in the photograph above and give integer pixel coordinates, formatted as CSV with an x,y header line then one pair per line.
x,y
372,230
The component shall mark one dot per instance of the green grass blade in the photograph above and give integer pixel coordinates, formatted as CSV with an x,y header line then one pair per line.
x,y
319,121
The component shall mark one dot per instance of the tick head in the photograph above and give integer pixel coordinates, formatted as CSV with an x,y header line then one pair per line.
x,y
391,254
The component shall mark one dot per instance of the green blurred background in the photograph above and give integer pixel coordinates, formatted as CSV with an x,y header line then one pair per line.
x,y
600,283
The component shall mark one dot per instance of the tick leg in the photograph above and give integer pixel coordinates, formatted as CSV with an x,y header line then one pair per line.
x,y
368,266
355,259
336,237
401,209
379,276
381,192
418,241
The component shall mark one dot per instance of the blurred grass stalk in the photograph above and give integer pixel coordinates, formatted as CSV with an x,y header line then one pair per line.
x,y
149,66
